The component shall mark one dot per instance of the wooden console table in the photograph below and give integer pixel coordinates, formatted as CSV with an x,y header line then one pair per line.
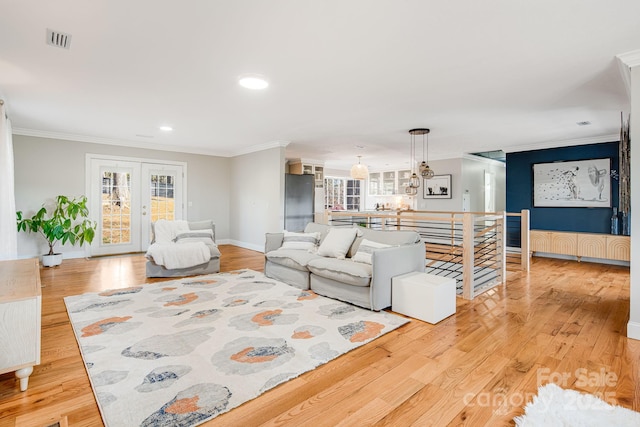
x,y
603,246
20,318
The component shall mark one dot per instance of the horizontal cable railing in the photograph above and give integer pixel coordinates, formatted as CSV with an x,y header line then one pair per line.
x,y
466,246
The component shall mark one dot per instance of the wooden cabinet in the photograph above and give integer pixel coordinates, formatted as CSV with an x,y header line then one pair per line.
x,y
301,168
619,247
603,246
20,317
592,245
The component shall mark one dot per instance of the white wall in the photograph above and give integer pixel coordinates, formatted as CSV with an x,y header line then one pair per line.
x,y
451,167
633,327
45,168
473,175
257,197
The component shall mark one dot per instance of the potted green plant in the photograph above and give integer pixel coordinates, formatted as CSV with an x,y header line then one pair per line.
x,y
68,222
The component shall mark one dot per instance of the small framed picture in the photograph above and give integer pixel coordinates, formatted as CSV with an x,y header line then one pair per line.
x,y
438,187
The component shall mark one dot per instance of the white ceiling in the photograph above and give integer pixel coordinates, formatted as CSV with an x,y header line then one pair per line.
x,y
483,75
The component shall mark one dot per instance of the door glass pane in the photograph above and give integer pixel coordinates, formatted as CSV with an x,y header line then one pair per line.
x,y
116,207
162,197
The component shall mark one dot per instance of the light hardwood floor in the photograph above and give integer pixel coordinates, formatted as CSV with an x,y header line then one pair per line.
x,y
564,321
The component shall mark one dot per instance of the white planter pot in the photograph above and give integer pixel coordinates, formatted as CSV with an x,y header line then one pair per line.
x,y
51,260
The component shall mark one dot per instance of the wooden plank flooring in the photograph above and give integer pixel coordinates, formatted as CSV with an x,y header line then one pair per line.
x,y
564,321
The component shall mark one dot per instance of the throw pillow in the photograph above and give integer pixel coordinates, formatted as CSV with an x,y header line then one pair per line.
x,y
303,241
337,242
205,236
365,250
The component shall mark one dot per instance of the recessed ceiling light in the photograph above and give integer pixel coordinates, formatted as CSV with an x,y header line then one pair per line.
x,y
166,128
253,81
584,123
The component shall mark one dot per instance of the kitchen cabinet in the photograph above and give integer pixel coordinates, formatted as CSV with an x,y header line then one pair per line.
x,y
300,168
388,183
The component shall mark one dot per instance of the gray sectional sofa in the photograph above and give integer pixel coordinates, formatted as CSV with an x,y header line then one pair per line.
x,y
366,284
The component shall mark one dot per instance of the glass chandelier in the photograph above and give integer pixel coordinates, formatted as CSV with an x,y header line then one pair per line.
x,y
414,181
425,171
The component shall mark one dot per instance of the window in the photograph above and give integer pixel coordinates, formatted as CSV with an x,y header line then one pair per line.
x,y
342,194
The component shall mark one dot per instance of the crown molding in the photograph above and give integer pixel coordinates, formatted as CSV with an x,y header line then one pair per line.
x,y
261,147
144,144
307,161
630,59
563,143
625,62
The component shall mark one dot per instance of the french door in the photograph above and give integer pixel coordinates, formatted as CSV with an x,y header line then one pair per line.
x,y
126,196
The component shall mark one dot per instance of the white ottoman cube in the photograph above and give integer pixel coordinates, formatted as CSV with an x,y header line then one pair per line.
x,y
424,296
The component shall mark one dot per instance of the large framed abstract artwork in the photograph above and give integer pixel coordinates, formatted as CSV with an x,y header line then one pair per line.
x,y
582,183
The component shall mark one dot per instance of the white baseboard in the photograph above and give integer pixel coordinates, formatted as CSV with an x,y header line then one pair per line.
x,y
252,246
633,330
65,255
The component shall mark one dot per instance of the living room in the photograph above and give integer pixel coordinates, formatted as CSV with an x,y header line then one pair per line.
x,y
234,151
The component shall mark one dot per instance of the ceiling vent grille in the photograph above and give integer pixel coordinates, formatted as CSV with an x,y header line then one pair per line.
x,y
58,39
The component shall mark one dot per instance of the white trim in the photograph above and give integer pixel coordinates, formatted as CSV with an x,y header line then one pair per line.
x,y
253,247
89,157
630,59
261,147
633,330
625,62
625,73
65,255
145,144
566,143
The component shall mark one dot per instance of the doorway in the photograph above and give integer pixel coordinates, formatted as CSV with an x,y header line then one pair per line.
x,y
126,196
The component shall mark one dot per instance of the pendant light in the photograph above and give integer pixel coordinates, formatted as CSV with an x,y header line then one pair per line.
x,y
359,171
425,171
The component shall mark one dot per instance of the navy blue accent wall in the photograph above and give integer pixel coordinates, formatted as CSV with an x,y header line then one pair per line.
x,y
520,187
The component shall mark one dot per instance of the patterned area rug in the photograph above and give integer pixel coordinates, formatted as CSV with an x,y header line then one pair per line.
x,y
179,353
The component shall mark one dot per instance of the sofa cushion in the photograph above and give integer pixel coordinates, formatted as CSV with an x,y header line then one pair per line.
x,y
337,242
388,237
314,227
304,241
365,250
194,236
341,270
292,258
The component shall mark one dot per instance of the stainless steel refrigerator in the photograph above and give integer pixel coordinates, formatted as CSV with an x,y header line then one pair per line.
x,y
298,201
